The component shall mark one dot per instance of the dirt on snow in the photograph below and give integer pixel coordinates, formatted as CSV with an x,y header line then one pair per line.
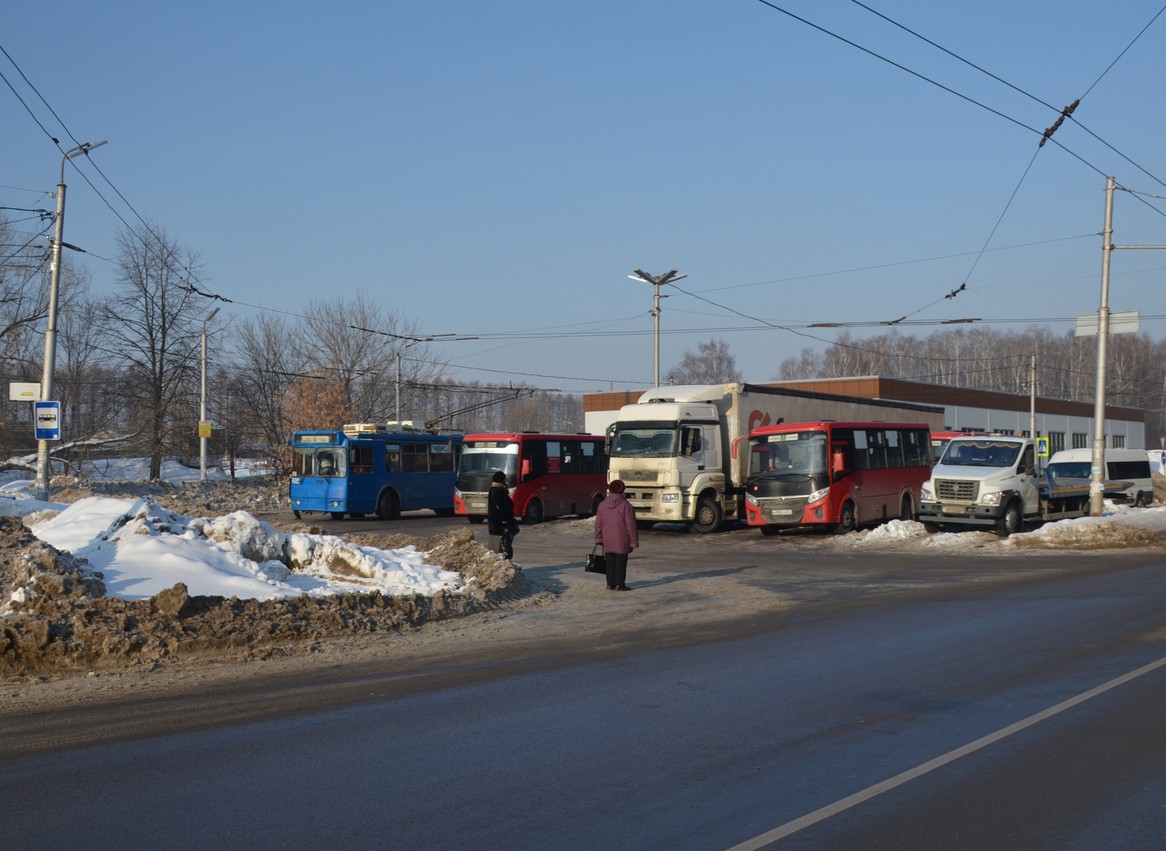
x,y
68,626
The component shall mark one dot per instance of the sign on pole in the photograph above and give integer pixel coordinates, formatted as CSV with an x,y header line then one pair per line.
x,y
1042,447
23,391
1123,322
48,420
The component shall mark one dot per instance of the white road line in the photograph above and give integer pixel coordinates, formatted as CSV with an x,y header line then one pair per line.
x,y
940,761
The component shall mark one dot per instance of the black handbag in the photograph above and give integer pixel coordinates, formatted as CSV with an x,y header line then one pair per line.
x,y
595,562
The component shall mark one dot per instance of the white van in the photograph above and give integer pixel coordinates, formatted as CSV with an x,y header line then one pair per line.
x,y
1122,465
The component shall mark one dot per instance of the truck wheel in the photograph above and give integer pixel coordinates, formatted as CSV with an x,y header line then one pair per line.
x,y
846,519
932,527
1011,522
1140,500
709,516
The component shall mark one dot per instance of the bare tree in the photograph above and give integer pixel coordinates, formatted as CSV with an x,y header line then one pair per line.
x,y
711,363
154,326
265,363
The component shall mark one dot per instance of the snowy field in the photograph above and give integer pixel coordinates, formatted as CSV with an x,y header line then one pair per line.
x,y
143,548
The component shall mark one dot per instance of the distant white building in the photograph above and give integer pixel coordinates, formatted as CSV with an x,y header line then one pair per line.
x,y
1068,425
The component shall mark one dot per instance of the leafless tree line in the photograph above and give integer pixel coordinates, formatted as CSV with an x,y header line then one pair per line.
x,y
987,359
128,368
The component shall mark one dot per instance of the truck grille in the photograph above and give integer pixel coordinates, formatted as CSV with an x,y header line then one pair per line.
x,y
639,477
956,489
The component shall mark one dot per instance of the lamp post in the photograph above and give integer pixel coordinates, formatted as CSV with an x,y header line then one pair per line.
x,y
46,384
203,425
657,282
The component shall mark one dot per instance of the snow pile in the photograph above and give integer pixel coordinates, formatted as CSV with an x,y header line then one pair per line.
x,y
1122,527
142,548
1125,528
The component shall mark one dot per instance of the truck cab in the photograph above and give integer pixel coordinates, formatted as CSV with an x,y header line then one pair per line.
x,y
668,455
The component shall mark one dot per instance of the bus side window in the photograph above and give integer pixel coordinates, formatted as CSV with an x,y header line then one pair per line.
x,y
415,458
894,448
360,460
534,464
393,458
440,458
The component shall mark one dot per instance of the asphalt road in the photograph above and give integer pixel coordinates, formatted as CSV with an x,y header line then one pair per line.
x,y
831,699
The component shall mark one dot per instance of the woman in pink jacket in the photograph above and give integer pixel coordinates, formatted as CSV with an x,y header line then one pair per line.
x,y
616,532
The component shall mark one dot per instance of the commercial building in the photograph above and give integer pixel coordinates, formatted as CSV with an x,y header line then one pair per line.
x,y
1068,425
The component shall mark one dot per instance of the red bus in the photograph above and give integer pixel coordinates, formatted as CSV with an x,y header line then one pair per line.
x,y
549,475
940,440
839,474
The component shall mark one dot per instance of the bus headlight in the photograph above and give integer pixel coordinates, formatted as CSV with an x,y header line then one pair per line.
x,y
751,499
817,495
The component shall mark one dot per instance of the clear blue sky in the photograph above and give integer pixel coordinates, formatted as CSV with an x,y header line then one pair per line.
x,y
499,168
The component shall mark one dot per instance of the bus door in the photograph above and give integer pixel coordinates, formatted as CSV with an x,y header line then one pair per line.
x,y
362,479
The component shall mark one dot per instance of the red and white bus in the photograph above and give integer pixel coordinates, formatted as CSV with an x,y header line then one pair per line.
x,y
839,474
549,475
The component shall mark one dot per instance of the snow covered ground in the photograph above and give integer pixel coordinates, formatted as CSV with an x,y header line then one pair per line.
x,y
143,548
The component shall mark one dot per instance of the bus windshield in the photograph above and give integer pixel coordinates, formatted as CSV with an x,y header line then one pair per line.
x,y
482,459
798,453
328,462
645,440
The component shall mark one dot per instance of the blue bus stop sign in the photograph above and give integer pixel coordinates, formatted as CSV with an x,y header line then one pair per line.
x,y
48,420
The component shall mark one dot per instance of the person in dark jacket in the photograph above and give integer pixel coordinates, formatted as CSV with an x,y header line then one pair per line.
x,y
500,517
616,531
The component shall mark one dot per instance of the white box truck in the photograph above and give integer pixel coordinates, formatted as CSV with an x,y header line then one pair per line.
x,y
680,450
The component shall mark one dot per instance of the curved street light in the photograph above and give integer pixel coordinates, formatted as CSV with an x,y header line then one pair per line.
x,y
657,281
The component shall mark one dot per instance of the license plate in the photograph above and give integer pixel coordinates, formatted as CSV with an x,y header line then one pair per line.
x,y
780,511
954,509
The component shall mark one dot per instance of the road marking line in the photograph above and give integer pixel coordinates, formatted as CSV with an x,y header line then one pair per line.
x,y
910,774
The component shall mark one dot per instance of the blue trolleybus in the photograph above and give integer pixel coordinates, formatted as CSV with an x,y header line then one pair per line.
x,y
361,470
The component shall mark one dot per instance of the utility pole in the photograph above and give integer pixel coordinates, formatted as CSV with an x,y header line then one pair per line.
x,y
1097,467
1032,398
46,384
657,282
204,427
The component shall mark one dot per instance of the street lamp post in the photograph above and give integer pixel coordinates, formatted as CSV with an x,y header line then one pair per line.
x,y
46,384
203,425
657,282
